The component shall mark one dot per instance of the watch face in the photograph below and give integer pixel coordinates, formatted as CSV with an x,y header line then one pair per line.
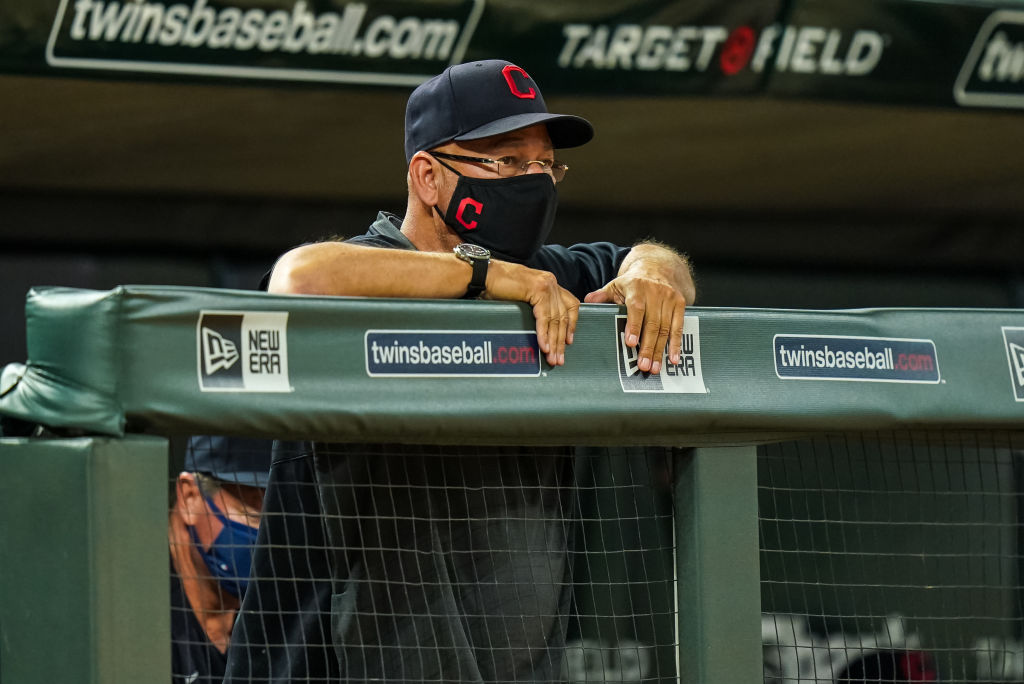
x,y
474,251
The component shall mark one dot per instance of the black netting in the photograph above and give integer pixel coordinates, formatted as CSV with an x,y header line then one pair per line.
x,y
884,558
892,557
461,564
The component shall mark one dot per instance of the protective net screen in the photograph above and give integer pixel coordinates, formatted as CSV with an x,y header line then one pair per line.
x,y
884,558
892,558
426,563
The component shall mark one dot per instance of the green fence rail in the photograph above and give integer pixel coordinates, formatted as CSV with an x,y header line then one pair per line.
x,y
105,369
129,360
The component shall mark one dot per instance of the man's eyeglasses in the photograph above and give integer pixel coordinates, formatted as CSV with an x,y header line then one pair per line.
x,y
506,167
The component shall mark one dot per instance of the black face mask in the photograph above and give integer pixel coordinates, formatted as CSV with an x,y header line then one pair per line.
x,y
512,217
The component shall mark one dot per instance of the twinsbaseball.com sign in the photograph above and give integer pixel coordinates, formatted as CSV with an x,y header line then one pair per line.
x,y
992,75
387,42
865,359
452,353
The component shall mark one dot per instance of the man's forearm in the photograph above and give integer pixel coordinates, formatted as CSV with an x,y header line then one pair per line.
x,y
660,262
339,268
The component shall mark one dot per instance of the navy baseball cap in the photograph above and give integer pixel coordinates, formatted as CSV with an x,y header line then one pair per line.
x,y
480,99
238,460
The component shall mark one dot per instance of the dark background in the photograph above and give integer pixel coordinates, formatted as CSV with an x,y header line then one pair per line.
x,y
779,203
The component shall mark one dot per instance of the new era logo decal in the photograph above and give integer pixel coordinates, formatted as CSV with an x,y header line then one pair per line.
x,y
219,353
685,378
243,351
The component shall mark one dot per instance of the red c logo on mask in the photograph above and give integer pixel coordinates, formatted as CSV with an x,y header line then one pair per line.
x,y
513,69
477,208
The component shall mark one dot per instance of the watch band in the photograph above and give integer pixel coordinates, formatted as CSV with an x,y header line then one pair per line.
x,y
477,284
479,258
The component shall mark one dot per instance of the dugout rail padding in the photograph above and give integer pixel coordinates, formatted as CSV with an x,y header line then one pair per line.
x,y
112,373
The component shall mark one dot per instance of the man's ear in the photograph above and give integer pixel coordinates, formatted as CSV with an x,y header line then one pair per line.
x,y
424,179
190,500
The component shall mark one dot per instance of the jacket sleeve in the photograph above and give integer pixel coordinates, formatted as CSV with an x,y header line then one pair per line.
x,y
581,268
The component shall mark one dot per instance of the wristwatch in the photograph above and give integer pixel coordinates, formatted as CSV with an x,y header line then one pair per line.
x,y
478,257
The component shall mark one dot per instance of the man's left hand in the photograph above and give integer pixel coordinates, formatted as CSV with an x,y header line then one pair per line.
x,y
655,285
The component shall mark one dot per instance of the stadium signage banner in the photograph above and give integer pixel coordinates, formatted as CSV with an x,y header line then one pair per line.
x,y
451,353
865,359
685,378
993,73
242,351
389,43
893,51
656,47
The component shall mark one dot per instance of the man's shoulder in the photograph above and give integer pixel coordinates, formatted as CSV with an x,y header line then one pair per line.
x,y
385,231
371,240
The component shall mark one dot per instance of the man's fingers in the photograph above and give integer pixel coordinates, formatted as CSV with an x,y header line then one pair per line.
x,y
556,333
549,340
542,331
653,341
598,297
663,329
636,308
676,336
556,314
574,315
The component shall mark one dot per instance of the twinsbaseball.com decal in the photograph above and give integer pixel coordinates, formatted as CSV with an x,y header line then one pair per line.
x,y
451,353
242,351
864,359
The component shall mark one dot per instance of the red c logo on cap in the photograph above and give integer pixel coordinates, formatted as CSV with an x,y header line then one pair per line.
x,y
507,73
477,209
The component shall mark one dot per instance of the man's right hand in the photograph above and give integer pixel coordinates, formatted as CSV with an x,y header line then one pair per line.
x,y
555,309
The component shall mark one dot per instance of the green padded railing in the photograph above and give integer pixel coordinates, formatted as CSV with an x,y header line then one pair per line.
x,y
176,361
129,360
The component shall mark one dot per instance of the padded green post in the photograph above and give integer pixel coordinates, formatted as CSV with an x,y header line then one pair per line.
x,y
718,571
84,594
